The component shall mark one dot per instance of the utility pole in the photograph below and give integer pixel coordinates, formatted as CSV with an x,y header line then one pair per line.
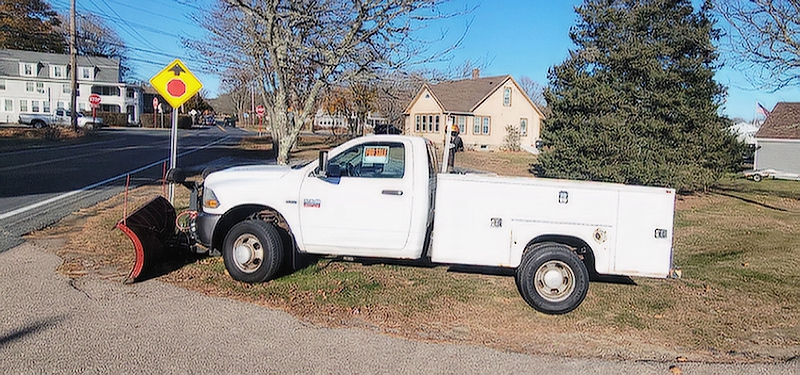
x,y
73,62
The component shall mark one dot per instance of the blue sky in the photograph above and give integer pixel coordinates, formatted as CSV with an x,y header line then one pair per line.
x,y
517,37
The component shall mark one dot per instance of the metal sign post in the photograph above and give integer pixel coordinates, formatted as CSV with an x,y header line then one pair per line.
x,y
176,84
173,150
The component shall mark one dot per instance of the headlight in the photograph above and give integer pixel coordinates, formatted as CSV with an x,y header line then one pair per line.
x,y
209,199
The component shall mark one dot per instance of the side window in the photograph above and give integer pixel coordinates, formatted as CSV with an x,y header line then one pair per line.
x,y
373,160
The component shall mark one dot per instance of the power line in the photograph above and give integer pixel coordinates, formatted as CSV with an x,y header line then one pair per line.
x,y
125,23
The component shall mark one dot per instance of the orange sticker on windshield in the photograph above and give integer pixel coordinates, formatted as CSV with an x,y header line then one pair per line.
x,y
376,155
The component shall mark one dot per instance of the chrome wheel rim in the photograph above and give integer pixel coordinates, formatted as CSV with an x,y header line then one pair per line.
x,y
248,253
554,281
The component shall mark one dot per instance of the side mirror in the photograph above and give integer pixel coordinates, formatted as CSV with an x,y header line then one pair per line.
x,y
175,175
323,163
334,170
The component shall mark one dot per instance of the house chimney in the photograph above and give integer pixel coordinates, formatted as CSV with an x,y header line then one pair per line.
x,y
476,73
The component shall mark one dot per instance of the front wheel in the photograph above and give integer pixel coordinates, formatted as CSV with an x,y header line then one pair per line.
x,y
253,251
552,278
757,177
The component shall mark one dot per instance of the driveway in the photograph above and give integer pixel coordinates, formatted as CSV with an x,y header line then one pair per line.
x,y
53,324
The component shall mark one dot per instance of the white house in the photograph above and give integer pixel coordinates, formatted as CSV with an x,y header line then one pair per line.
x,y
37,82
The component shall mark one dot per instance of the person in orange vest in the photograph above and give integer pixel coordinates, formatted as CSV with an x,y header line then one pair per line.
x,y
456,145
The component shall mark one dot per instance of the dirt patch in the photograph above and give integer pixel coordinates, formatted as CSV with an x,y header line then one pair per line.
x,y
737,300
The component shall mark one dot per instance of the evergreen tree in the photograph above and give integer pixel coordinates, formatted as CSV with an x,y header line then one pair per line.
x,y
636,102
30,25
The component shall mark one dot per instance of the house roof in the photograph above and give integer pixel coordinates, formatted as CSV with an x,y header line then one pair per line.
x,y
465,95
108,69
782,123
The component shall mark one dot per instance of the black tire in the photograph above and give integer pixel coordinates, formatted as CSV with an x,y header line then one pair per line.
x,y
552,279
757,178
39,124
253,251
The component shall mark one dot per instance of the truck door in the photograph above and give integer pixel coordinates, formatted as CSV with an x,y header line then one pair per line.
x,y
364,203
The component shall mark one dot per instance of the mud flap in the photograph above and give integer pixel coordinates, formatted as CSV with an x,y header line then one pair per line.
x,y
150,228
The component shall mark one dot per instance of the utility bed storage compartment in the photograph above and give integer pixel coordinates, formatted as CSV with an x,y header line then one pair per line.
x,y
489,220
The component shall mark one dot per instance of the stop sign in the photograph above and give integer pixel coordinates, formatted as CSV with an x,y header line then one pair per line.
x,y
94,100
260,110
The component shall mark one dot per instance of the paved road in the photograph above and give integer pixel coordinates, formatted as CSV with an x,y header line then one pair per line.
x,y
39,186
52,324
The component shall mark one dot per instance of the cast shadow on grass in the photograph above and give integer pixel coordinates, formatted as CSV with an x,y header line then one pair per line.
x,y
726,192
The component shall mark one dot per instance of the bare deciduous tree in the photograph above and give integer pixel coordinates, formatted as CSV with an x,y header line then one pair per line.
x,y
298,48
766,35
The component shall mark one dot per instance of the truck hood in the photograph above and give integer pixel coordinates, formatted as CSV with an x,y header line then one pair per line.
x,y
246,175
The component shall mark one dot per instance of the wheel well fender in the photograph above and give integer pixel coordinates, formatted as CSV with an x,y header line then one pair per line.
x,y
251,211
579,246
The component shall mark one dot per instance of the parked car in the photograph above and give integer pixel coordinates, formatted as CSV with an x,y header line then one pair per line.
x,y
62,117
386,129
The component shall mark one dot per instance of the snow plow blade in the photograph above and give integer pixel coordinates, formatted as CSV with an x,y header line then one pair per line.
x,y
150,228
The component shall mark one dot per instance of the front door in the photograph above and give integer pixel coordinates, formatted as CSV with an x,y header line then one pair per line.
x,y
365,203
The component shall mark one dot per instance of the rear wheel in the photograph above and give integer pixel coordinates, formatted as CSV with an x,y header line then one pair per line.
x,y
552,278
253,251
39,124
757,177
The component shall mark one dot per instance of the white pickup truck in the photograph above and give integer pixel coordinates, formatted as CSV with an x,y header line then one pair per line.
x,y
60,118
381,196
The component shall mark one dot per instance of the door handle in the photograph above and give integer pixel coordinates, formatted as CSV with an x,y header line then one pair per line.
x,y
392,192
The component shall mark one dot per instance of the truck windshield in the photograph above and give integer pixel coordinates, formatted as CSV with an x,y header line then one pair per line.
x,y
371,160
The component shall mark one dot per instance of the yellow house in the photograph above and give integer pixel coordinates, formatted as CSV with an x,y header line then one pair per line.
x,y
481,108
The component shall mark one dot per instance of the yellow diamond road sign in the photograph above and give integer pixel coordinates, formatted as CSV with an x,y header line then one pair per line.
x,y
176,83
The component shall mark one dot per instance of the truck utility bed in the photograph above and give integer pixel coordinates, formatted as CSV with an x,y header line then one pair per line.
x,y
488,220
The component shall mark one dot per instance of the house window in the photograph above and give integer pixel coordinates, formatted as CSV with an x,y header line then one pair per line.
x,y
2,84
46,106
29,86
86,73
427,123
26,70
8,106
523,127
130,93
507,97
81,107
462,124
40,87
57,71
481,125
60,105
35,106
23,105
106,90
66,89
